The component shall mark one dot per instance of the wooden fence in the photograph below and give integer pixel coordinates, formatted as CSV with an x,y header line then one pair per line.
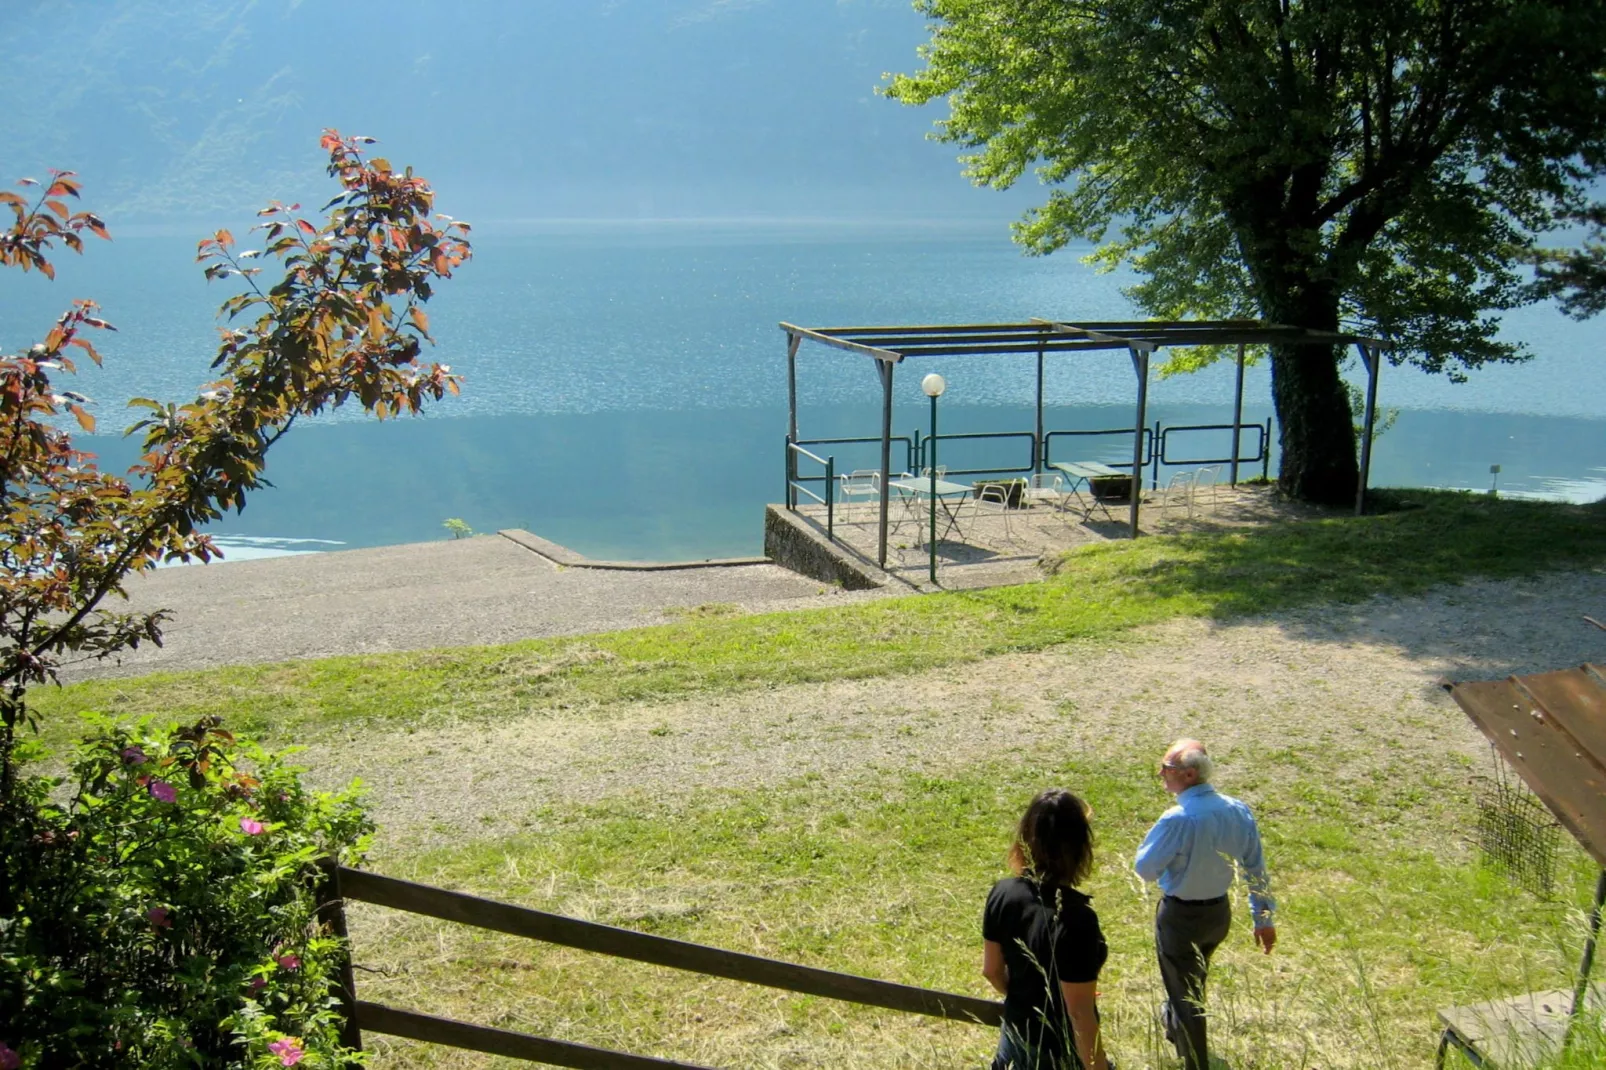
x,y
342,885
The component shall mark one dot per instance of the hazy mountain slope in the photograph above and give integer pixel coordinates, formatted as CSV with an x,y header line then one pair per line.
x,y
177,110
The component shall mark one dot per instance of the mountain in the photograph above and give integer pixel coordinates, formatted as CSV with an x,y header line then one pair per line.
x,y
182,110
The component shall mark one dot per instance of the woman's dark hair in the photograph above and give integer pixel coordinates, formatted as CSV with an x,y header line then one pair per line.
x,y
1054,843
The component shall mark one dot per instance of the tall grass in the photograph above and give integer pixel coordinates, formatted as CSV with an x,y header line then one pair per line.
x,y
886,877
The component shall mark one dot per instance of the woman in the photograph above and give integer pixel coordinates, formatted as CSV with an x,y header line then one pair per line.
x,y
1042,948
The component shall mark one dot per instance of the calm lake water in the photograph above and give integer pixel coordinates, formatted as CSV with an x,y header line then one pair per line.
x,y
625,384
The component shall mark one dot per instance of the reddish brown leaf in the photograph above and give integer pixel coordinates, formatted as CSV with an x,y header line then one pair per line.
x,y
86,421
83,343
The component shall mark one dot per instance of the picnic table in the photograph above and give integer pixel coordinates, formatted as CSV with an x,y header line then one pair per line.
x,y
1081,474
916,489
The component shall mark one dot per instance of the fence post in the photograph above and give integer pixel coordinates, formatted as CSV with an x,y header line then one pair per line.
x,y
332,914
788,471
830,497
1156,450
1265,453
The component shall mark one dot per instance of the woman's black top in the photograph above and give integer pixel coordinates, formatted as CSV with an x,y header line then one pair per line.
x,y
1047,939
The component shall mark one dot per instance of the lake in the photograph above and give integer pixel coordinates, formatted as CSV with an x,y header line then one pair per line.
x,y
625,388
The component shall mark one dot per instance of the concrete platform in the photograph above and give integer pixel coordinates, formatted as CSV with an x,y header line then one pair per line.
x,y
487,589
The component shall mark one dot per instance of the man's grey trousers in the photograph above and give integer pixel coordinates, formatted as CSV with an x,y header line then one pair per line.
x,y
1186,934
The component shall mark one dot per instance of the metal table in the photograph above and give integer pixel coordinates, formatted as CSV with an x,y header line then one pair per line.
x,y
920,490
1082,474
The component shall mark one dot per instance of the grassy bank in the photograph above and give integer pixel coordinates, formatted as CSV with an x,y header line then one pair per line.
x,y
1099,591
1386,915
1382,921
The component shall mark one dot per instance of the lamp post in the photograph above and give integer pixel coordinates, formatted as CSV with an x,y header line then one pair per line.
x,y
932,386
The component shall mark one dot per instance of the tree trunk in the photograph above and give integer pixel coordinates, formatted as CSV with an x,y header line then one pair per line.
x,y
1315,428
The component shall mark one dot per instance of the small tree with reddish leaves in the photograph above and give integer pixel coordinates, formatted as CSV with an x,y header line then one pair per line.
x,y
344,323
145,915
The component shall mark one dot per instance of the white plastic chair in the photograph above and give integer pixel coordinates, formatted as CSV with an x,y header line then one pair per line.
x,y
1179,491
993,500
1208,477
858,486
1045,487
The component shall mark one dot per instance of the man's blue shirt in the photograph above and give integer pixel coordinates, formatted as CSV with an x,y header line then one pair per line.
x,y
1192,848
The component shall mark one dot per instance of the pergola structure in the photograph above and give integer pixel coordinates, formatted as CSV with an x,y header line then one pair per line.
x,y
889,346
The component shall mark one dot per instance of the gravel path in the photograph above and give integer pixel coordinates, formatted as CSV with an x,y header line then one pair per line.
x,y
1333,676
465,592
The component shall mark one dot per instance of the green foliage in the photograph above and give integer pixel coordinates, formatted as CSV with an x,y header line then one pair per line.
x,y
1385,166
458,527
1577,277
162,912
137,917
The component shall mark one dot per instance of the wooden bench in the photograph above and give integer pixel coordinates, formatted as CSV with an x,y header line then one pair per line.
x,y
1512,1033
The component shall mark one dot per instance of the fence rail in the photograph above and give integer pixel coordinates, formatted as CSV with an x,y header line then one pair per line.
x,y
345,885
906,441
923,444
1125,432
794,484
447,1032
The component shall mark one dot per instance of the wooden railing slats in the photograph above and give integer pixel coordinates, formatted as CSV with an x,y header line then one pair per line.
x,y
432,1030
356,884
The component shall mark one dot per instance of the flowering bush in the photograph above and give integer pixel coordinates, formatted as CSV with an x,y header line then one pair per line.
x,y
160,913
165,914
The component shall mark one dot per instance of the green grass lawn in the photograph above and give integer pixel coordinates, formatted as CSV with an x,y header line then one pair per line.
x,y
1386,914
1099,591
1382,921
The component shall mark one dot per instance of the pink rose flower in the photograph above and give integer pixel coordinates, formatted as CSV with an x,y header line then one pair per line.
x,y
289,962
256,984
133,755
252,827
9,1060
288,1050
159,917
162,791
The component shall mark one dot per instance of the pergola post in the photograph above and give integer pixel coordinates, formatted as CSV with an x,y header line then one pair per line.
x,y
792,342
885,367
1237,412
1140,364
1037,442
1373,359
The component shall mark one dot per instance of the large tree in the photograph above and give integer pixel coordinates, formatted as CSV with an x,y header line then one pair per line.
x,y
1380,165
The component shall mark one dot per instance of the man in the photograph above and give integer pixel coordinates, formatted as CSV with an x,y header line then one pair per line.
x,y
1191,851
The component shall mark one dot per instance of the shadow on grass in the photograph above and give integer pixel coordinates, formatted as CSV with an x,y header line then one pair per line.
x,y
1423,540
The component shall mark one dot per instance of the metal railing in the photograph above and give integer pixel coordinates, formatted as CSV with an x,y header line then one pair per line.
x,y
1262,451
922,443
342,885
1126,432
794,485
905,440
1157,450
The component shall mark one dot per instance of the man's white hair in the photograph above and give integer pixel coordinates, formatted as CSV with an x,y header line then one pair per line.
x,y
1195,758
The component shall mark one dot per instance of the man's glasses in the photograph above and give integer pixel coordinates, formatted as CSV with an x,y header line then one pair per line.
x,y
1173,766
